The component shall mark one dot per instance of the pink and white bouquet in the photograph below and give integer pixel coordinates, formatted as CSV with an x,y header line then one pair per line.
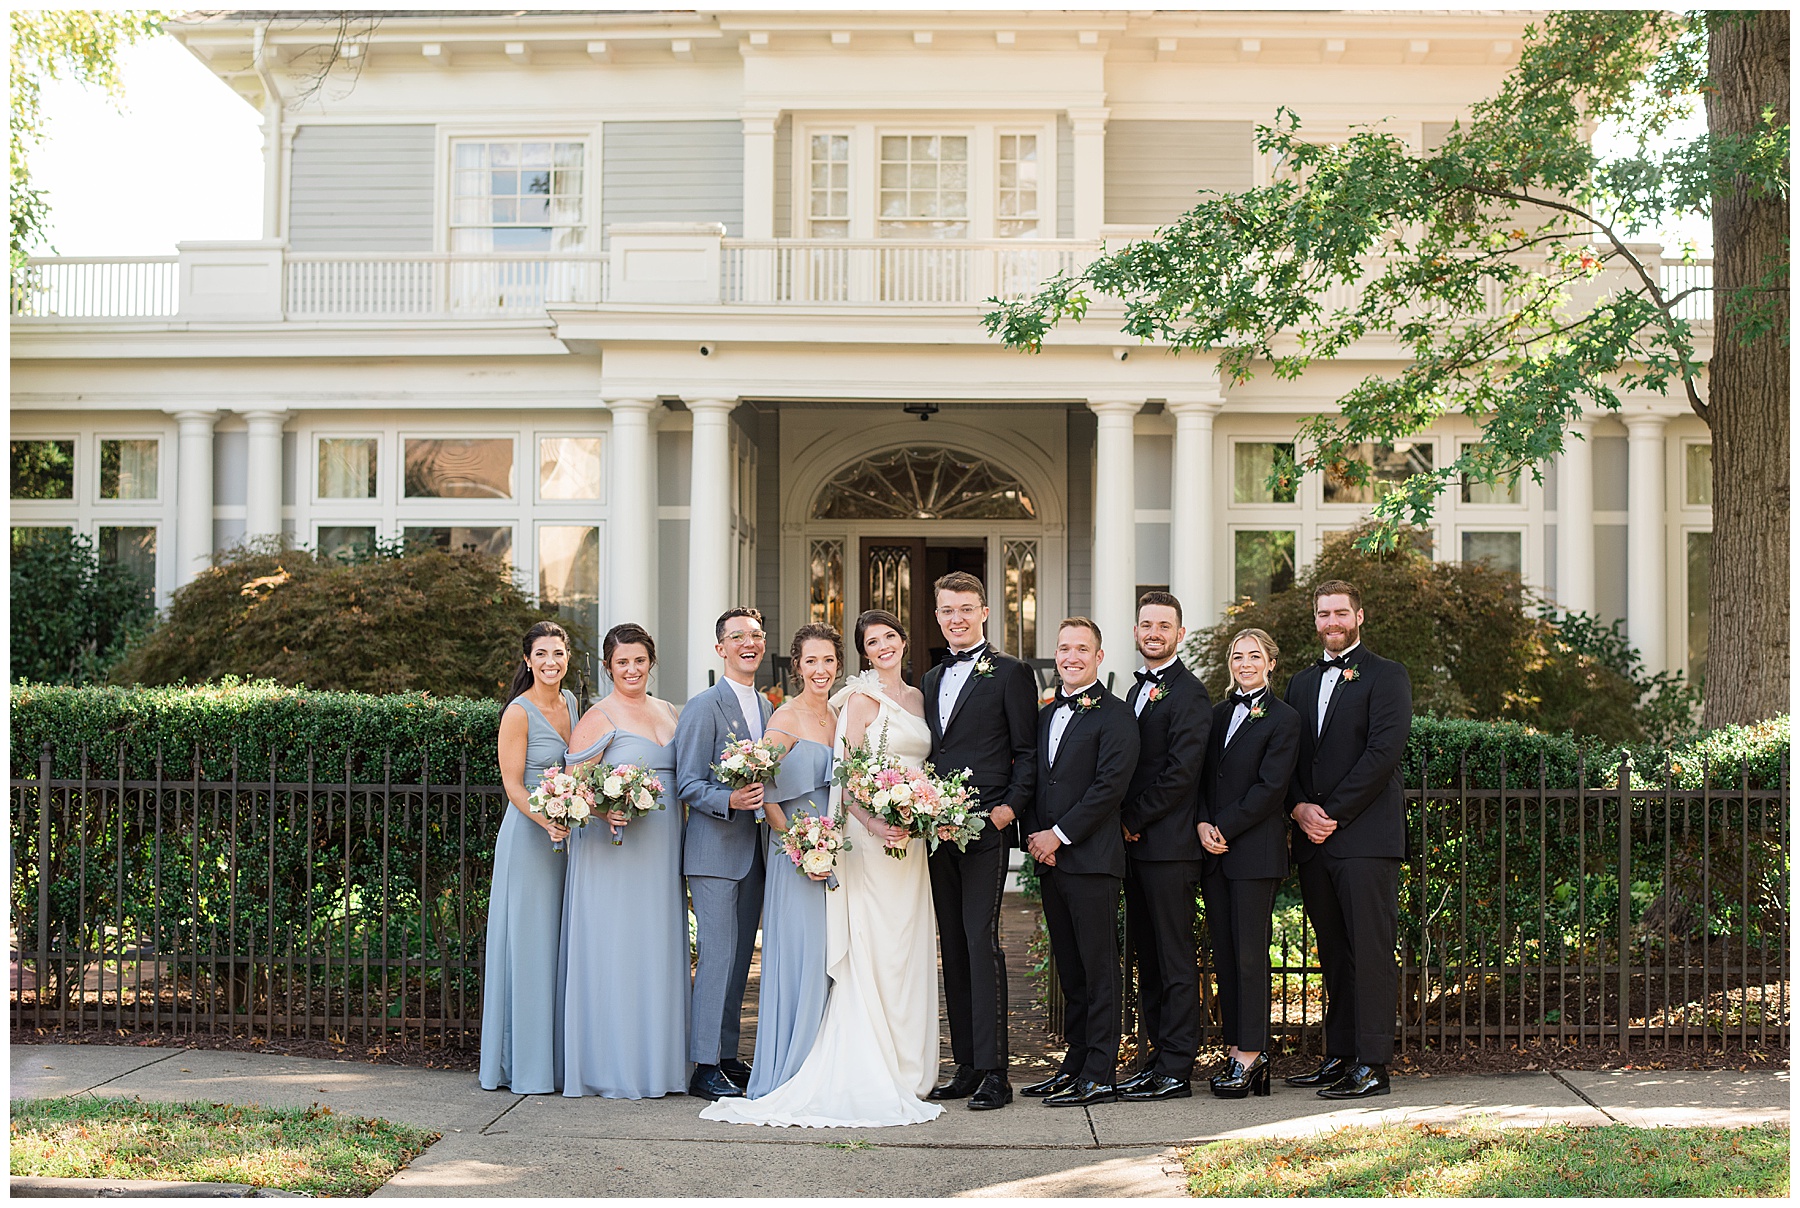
x,y
746,761
949,813
629,788
563,797
813,845
873,779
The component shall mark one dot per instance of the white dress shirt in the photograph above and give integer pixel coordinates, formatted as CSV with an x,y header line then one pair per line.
x,y
750,701
1143,697
1241,712
1059,721
950,683
1328,684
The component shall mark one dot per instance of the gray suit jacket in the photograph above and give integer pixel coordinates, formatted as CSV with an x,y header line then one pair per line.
x,y
718,841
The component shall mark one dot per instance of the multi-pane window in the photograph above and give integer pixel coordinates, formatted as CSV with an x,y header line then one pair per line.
x,y
1697,471
496,540
1264,562
924,186
1503,550
1699,602
569,467
569,574
1021,559
828,207
347,467
517,196
1252,462
133,547
345,542
43,469
825,593
459,468
1016,209
1508,490
128,469
1390,464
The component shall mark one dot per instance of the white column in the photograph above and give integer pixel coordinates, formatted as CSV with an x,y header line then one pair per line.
x,y
262,501
194,493
1575,519
709,534
1646,574
1191,533
1088,127
631,515
1115,531
759,175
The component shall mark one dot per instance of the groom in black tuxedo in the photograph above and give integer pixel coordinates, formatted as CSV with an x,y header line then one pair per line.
x,y
981,706
1350,838
1087,749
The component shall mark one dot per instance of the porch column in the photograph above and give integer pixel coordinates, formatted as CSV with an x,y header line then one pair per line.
x,y
631,515
1115,532
709,534
194,493
1646,575
1191,523
1575,519
262,502
1088,130
759,175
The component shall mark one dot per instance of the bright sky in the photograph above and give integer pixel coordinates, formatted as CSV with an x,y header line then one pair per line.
x,y
199,149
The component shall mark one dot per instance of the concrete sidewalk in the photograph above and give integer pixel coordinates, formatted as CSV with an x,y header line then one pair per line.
x,y
496,1143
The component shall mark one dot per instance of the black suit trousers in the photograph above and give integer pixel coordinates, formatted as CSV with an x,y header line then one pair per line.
x,y
1081,912
1354,906
965,895
1239,917
1159,915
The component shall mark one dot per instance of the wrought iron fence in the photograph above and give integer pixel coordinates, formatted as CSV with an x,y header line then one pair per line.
x,y
1613,913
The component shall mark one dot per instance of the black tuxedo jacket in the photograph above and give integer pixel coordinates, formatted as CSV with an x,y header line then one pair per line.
x,y
1162,803
1352,766
992,731
1081,792
1246,784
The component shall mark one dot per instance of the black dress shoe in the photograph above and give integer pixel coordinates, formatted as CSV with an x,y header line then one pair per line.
x,y
1328,1072
1138,1079
711,1082
1359,1082
1157,1086
1083,1093
1240,1080
1056,1082
737,1071
961,1085
994,1091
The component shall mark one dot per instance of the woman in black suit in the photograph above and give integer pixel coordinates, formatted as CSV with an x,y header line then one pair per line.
x,y
1243,827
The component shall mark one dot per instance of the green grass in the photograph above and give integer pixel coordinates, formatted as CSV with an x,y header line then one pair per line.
x,y
1478,1159
295,1149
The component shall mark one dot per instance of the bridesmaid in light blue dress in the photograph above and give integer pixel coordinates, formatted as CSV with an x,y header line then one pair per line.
x,y
624,981
521,1016
791,998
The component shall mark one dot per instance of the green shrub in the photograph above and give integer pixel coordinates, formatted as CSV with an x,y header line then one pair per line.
x,y
72,614
427,621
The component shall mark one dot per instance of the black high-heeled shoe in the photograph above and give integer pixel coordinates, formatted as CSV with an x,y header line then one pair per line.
x,y
1240,1080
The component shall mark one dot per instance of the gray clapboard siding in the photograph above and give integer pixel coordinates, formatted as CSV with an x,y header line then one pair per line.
x,y
362,189
1154,169
1065,177
784,178
673,172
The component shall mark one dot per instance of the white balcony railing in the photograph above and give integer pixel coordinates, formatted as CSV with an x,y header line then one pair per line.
x,y
118,287
428,285
890,272
1678,277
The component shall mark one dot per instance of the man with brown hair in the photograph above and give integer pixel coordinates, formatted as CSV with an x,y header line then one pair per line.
x,y
981,706
1350,837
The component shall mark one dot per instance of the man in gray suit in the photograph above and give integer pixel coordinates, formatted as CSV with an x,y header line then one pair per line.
x,y
722,853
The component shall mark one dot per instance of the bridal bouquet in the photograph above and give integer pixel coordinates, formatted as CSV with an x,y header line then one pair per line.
x,y
745,761
876,780
563,797
813,845
629,788
948,814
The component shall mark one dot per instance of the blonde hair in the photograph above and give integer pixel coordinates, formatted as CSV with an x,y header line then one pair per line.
x,y
1261,637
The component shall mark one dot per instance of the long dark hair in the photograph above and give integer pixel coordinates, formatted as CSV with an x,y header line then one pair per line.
x,y
523,678
875,616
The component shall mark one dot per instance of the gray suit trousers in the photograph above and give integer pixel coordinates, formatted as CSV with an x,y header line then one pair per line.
x,y
726,915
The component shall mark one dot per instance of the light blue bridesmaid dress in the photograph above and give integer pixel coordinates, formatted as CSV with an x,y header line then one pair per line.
x,y
624,981
521,1019
791,1001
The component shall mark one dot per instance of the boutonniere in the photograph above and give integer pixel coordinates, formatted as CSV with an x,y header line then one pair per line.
x,y
984,667
1156,694
1086,701
1256,713
1350,674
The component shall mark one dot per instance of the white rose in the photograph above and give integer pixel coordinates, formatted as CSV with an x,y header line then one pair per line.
x,y
816,862
557,809
613,787
579,810
733,763
643,799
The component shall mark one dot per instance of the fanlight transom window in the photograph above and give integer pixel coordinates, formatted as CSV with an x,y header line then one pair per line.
x,y
924,484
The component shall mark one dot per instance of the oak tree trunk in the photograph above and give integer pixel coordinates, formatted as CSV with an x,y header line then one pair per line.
x,y
1747,638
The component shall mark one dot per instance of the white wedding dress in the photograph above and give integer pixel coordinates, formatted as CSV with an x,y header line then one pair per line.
x,y
876,1054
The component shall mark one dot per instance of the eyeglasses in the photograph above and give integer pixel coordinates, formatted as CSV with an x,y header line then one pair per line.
x,y
967,612
740,636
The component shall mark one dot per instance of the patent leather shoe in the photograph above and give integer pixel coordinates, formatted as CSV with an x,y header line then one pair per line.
x,y
1240,1080
1329,1071
1083,1093
1157,1086
1138,1079
737,1071
1359,1082
994,1091
711,1082
1055,1083
962,1084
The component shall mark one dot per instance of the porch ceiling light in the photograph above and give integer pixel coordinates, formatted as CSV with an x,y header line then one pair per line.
x,y
923,410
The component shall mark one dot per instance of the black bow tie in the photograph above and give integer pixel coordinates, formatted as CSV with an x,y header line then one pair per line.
x,y
952,657
1327,662
1062,698
1246,699
1145,675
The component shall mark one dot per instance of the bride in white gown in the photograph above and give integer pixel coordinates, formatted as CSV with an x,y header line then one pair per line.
x,y
876,1054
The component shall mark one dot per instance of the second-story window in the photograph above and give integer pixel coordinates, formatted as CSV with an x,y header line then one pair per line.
x,y
925,186
828,210
1016,214
517,196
